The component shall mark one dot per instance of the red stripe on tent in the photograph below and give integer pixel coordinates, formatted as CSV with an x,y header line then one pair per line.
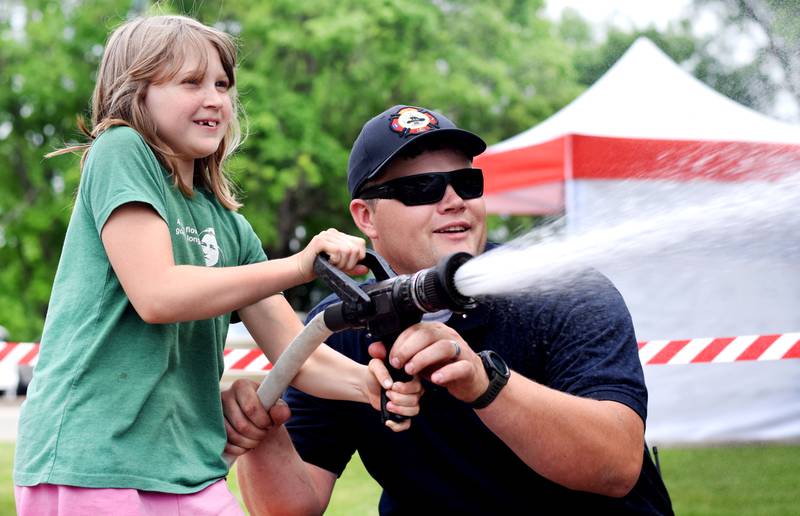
x,y
267,367
669,351
597,157
30,355
6,349
758,347
601,157
523,168
711,351
794,351
245,360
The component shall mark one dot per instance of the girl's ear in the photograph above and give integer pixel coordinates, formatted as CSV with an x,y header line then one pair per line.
x,y
363,217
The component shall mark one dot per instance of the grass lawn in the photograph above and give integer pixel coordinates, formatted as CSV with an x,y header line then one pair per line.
x,y
747,480
6,486
355,493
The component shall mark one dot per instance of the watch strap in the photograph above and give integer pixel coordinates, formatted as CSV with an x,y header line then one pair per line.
x,y
497,380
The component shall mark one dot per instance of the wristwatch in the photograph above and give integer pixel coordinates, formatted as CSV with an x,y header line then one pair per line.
x,y
498,373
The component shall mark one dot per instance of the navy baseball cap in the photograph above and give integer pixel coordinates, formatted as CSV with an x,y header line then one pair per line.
x,y
384,136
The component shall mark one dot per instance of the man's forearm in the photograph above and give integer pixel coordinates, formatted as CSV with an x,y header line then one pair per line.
x,y
274,479
583,444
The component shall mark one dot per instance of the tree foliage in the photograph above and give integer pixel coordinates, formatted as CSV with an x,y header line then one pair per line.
x,y
48,56
592,59
311,73
772,27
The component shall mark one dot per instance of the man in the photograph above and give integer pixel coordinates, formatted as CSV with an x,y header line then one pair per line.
x,y
562,431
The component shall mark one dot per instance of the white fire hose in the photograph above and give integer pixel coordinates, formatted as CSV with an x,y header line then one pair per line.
x,y
288,364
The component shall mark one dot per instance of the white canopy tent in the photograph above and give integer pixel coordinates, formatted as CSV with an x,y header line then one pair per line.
x,y
647,137
645,118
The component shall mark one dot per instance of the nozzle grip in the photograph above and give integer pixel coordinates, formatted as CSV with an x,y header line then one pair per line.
x,y
398,375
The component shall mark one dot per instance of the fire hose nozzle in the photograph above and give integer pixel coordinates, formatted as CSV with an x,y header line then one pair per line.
x,y
393,302
435,289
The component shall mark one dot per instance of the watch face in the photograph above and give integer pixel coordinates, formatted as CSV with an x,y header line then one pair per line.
x,y
498,373
498,363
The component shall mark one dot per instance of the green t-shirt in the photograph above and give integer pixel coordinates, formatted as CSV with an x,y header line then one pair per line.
x,y
114,401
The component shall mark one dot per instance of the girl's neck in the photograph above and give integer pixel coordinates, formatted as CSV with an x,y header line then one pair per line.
x,y
186,172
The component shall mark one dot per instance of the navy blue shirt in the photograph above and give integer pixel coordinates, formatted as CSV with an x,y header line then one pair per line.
x,y
578,340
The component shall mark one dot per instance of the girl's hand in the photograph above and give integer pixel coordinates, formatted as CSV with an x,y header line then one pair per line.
x,y
345,251
403,396
436,352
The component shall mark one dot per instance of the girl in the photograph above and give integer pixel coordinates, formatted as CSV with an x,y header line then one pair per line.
x,y
125,399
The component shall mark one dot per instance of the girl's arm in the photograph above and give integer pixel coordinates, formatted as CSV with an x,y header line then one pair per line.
x,y
327,374
139,248
273,324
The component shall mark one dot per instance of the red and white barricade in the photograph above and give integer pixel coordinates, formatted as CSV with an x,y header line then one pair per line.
x,y
654,352
720,350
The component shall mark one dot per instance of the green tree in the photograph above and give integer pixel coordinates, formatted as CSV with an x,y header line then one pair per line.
x,y
772,29
593,58
311,73
768,27
48,55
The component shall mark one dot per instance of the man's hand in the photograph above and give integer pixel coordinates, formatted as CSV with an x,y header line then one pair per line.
x,y
438,353
247,422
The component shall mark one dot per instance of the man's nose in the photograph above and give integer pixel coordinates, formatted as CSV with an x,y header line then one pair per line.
x,y
451,200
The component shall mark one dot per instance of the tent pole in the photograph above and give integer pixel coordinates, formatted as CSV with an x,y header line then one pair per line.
x,y
570,206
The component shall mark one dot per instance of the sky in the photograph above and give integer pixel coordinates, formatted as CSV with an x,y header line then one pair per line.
x,y
629,14
623,13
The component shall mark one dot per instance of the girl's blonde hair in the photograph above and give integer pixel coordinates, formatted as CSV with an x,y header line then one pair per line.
x,y
152,50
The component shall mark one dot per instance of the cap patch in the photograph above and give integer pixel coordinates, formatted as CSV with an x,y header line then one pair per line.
x,y
410,120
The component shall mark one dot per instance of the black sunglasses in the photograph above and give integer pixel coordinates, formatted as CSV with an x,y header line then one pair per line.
x,y
428,188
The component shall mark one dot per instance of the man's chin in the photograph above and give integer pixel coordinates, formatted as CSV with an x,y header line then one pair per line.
x,y
448,248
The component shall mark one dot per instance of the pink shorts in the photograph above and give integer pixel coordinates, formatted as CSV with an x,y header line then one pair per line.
x,y
57,500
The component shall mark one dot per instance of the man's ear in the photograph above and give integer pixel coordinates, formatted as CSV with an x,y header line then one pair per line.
x,y
363,217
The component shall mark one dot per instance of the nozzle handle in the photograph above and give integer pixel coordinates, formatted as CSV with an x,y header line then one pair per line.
x,y
379,267
343,285
398,375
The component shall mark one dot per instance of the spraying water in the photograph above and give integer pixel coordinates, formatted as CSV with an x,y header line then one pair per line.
x,y
747,216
